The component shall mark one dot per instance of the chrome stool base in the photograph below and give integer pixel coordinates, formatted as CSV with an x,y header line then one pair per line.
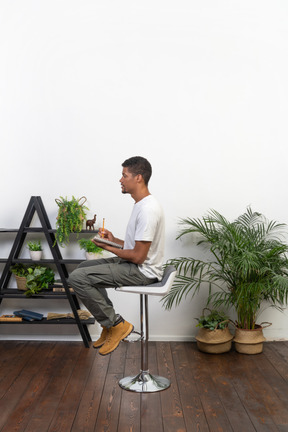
x,y
144,382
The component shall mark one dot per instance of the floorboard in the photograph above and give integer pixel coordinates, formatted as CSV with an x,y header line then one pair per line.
x,y
194,416
65,387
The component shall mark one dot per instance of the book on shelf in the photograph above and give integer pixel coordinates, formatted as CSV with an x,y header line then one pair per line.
x,y
62,289
11,318
28,315
59,287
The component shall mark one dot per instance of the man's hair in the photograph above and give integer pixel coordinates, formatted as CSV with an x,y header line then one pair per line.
x,y
139,165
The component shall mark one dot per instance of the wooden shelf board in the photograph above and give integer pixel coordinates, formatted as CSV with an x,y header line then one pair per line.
x,y
47,294
60,321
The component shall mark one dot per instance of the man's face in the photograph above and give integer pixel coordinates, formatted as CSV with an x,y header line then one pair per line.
x,y
128,181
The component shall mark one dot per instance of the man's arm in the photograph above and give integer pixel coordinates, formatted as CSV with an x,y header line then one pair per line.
x,y
136,255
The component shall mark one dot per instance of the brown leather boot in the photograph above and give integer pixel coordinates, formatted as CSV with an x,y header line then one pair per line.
x,y
115,334
99,342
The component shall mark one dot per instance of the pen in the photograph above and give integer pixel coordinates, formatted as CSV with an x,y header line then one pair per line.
x,y
103,228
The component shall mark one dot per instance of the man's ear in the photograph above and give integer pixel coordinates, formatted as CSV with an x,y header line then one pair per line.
x,y
139,178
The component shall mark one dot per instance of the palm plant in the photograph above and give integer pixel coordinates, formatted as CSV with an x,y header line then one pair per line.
x,y
248,265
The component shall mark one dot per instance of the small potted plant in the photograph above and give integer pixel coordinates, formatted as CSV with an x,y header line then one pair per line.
x,y
214,336
32,279
20,272
38,278
70,219
35,250
92,251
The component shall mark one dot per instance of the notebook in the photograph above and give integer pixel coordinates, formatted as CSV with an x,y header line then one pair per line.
x,y
108,242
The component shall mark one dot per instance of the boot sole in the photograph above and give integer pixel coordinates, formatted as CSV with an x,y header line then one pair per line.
x,y
98,346
130,330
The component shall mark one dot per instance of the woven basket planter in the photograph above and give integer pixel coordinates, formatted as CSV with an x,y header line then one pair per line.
x,y
214,341
21,283
249,341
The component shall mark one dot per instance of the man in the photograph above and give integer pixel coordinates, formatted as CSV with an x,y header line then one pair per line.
x,y
138,263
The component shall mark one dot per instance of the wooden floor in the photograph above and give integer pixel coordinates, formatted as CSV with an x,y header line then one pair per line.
x,y
63,386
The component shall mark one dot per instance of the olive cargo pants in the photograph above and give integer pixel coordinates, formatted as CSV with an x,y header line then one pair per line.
x,y
91,278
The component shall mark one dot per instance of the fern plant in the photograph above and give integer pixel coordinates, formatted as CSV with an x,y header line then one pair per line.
x,y
248,265
71,215
34,245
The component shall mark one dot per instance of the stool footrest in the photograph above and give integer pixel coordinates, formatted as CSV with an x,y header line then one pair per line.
x,y
131,339
144,382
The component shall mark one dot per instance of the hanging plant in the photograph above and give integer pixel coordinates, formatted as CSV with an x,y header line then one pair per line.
x,y
71,215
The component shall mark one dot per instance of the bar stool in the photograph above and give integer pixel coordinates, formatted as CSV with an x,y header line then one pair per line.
x,y
144,382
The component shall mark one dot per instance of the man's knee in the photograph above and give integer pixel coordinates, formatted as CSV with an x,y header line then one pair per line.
x,y
75,277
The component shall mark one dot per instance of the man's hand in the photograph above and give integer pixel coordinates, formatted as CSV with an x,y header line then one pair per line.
x,y
136,255
108,236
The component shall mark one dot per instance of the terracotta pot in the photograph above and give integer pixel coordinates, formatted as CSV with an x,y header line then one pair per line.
x,y
214,341
249,341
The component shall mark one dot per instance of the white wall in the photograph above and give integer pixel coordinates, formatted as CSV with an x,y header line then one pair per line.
x,y
198,87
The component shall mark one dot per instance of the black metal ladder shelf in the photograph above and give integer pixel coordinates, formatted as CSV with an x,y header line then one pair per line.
x,y
36,205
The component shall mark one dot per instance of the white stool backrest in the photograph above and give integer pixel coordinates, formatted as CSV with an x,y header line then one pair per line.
x,y
157,289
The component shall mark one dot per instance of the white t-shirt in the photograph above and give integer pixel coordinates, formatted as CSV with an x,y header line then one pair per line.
x,y
147,224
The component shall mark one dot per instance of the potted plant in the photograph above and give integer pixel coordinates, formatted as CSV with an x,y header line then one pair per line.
x,y
20,273
92,251
214,336
36,278
35,250
247,268
71,215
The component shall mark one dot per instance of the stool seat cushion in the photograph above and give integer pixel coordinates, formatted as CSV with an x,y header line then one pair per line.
x,y
158,288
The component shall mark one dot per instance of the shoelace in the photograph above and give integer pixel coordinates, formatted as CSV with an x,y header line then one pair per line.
x,y
109,335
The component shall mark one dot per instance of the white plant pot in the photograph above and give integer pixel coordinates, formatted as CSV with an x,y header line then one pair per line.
x,y
91,255
35,255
